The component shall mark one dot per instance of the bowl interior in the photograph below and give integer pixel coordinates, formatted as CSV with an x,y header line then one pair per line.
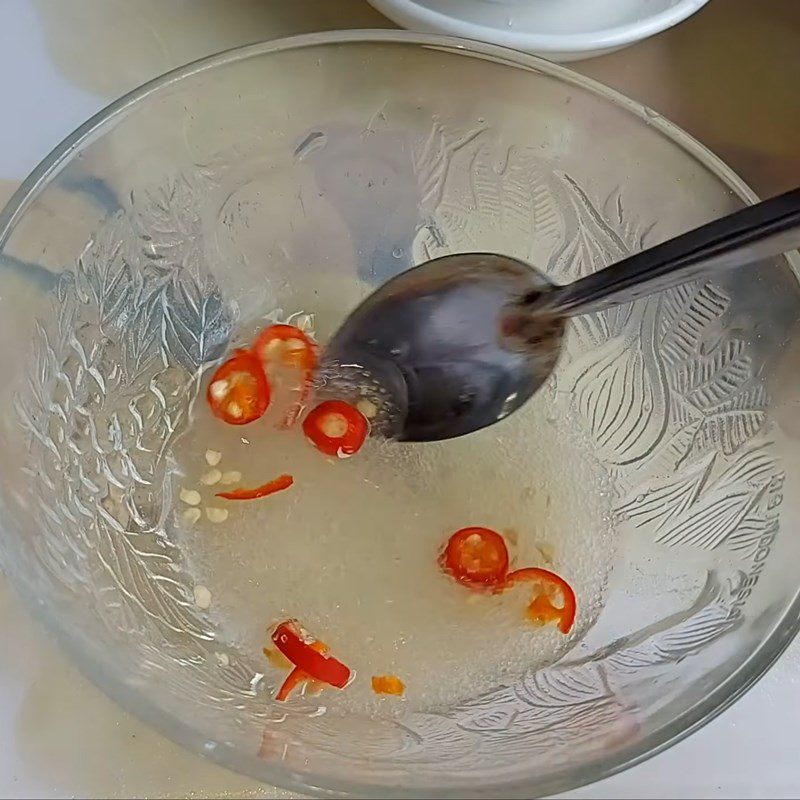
x,y
303,173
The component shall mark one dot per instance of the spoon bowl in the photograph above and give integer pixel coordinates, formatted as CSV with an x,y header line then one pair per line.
x,y
446,344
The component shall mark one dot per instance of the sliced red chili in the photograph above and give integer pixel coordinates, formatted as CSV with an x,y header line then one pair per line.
x,y
270,487
287,345
293,680
299,647
336,428
476,556
388,684
541,609
238,392
296,677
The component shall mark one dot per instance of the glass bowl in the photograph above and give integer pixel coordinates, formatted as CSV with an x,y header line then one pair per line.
x,y
321,165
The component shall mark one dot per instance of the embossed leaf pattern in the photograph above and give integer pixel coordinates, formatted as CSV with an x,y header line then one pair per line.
x,y
572,703
169,225
496,711
116,373
616,370
716,509
432,160
511,192
632,231
196,323
719,405
579,701
730,424
712,521
710,402
686,313
678,641
748,536
621,392
753,468
557,687
659,500
590,242
553,708
707,381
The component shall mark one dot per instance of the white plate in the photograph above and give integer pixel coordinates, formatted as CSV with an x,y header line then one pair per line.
x,y
561,30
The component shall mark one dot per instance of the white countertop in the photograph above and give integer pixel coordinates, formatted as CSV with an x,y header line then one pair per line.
x,y
56,69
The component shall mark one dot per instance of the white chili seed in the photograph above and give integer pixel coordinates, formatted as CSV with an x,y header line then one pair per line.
x,y
190,516
230,477
190,497
211,477
202,597
213,457
216,514
334,426
219,389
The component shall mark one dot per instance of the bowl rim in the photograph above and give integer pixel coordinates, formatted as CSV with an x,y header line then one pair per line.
x,y
565,779
600,39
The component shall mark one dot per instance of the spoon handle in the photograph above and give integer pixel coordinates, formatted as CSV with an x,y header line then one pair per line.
x,y
760,231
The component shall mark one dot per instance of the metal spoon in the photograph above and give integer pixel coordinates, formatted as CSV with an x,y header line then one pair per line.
x,y
460,342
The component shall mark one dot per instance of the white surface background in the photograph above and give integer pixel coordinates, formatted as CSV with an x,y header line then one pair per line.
x,y
62,60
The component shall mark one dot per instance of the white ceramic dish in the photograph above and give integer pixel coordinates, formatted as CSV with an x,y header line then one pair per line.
x,y
561,30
